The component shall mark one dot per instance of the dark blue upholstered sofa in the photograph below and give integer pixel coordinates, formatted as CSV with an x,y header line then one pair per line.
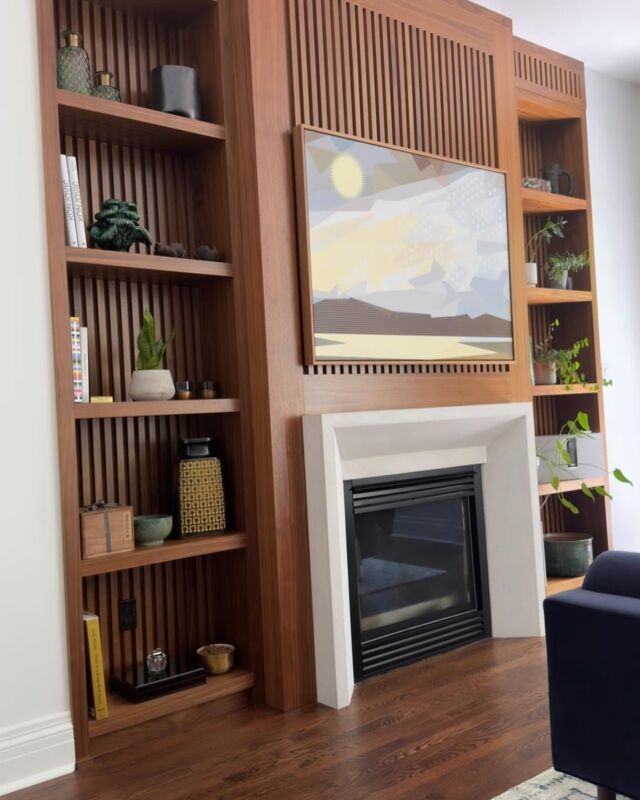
x,y
593,645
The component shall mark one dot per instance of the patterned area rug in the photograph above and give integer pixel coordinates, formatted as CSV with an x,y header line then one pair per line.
x,y
551,785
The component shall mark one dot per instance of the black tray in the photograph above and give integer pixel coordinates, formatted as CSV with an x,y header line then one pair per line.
x,y
138,685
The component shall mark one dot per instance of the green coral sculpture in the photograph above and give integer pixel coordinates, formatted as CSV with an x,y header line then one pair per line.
x,y
117,226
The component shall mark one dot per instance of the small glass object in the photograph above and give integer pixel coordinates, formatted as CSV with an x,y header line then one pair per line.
x,y
184,390
156,661
105,87
206,390
72,64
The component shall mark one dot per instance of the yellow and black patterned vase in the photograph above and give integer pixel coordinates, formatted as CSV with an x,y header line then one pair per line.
x,y
72,63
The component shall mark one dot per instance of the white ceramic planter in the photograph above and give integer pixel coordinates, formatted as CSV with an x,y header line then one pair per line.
x,y
531,273
152,384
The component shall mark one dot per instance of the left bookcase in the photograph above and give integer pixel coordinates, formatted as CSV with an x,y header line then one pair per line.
x,y
193,591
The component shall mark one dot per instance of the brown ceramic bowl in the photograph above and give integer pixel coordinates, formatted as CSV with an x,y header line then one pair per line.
x,y
216,658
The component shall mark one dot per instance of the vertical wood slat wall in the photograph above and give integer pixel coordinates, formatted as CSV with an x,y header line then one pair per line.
x,y
362,72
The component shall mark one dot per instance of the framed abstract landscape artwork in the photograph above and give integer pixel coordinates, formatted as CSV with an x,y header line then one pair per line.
x,y
405,256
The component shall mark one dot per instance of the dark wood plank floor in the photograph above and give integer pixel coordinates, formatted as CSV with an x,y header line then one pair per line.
x,y
463,726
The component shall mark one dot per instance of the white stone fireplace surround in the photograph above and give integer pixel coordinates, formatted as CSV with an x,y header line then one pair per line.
x,y
353,445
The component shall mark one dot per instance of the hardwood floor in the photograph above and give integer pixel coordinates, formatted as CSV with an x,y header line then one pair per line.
x,y
463,726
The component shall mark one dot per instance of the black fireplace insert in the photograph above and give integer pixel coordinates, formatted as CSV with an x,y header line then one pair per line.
x,y
417,566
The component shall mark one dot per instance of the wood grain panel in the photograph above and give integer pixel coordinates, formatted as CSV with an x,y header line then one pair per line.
x,y
364,73
546,72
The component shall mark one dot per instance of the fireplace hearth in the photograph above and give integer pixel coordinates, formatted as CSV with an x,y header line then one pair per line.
x,y
417,563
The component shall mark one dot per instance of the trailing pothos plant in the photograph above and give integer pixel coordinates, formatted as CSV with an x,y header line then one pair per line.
x,y
560,467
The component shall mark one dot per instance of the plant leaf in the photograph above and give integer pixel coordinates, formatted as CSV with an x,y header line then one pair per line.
x,y
555,482
583,420
568,504
587,491
600,490
620,476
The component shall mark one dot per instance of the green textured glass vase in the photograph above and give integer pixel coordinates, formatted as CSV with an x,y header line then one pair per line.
x,y
73,69
105,88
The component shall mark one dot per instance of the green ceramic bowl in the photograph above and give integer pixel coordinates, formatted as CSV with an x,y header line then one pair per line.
x,y
152,529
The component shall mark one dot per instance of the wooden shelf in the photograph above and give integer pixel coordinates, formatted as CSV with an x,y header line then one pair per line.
x,y
534,107
545,489
109,265
535,202
560,390
555,585
122,123
155,408
123,714
171,550
541,296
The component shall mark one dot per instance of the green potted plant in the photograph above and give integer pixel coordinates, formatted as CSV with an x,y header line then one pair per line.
x,y
560,265
551,363
552,228
149,381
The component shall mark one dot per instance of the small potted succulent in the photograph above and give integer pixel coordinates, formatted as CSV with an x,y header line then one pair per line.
x,y
560,265
552,228
149,381
551,363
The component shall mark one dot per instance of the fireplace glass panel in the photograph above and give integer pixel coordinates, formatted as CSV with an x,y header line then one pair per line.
x,y
417,566
414,564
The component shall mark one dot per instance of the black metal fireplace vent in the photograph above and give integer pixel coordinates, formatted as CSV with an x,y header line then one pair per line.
x,y
417,566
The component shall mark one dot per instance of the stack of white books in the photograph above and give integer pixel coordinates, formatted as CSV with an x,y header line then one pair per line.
x,y
75,231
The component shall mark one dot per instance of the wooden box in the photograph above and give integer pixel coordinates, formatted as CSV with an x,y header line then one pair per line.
x,y
106,530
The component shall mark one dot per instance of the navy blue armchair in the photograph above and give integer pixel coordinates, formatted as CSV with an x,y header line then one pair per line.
x,y
593,648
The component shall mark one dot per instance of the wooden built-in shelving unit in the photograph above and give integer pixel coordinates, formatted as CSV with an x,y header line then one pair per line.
x,y
193,591
551,111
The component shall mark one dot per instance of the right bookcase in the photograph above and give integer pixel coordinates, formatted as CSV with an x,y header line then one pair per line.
x,y
552,125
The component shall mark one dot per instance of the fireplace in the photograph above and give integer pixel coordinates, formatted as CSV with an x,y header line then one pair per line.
x,y
417,565
361,446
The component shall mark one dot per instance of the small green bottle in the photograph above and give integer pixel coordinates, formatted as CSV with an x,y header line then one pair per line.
x,y
72,64
104,86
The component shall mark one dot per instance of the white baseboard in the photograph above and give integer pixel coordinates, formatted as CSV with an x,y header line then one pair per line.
x,y
35,752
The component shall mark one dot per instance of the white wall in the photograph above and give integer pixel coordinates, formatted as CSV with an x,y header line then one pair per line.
x,y
36,740
613,119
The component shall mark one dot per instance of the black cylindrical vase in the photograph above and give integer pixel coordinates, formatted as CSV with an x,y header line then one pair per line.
x,y
174,89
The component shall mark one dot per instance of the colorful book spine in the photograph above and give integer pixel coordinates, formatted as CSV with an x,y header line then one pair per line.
x,y
76,199
76,358
95,667
70,222
84,353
